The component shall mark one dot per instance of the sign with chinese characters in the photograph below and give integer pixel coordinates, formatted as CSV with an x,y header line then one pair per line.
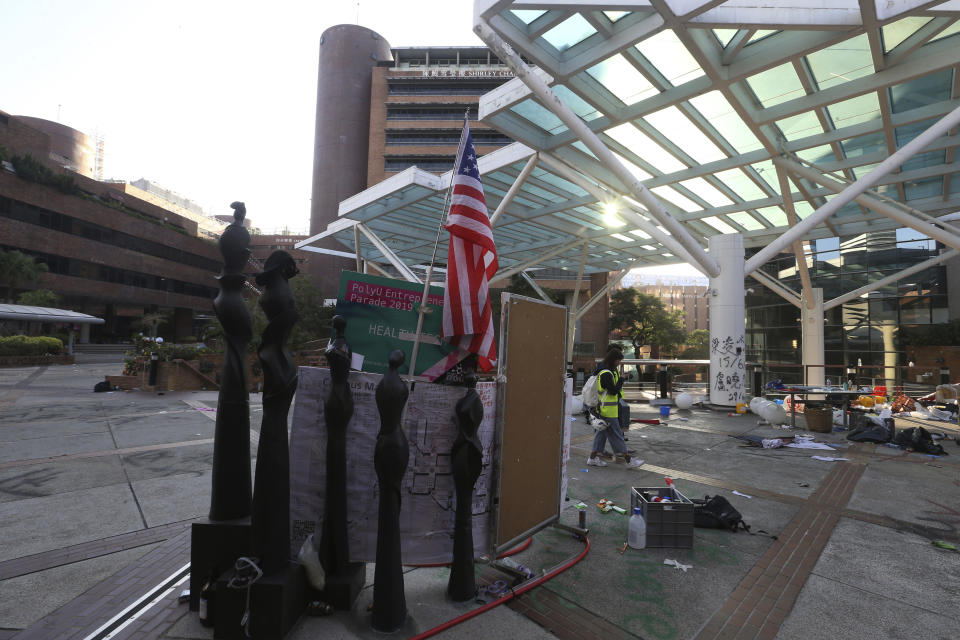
x,y
728,369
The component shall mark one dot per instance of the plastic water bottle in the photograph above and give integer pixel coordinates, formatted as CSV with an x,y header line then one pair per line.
x,y
637,533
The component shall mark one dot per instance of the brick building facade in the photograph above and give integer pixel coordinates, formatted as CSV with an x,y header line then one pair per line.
x,y
109,253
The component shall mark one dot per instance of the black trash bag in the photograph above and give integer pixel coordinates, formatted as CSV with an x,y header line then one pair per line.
x,y
102,386
871,432
717,513
919,440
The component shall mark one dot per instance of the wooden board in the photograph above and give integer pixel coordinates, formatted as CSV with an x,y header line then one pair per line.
x,y
532,359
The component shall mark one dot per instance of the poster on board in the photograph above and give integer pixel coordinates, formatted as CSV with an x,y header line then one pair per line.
x,y
382,315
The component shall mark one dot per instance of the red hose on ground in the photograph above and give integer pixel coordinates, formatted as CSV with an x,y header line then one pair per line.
x,y
513,593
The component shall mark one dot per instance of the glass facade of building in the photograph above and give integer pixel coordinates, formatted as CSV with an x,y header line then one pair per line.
x,y
863,331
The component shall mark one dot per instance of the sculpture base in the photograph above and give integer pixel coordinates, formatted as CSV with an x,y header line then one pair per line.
x,y
215,544
341,589
361,625
276,603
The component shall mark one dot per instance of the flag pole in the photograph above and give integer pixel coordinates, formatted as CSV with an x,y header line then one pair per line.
x,y
423,310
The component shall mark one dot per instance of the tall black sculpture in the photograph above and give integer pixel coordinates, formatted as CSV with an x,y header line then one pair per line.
x,y
390,459
344,579
466,460
230,496
270,521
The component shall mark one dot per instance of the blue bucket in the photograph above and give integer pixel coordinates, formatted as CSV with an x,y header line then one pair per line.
x,y
664,411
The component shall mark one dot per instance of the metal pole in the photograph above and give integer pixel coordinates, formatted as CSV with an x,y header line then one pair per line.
x,y
423,310
514,188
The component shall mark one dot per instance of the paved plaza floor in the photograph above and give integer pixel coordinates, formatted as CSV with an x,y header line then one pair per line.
x,y
98,490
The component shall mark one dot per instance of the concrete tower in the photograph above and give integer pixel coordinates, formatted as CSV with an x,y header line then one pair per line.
x,y
348,54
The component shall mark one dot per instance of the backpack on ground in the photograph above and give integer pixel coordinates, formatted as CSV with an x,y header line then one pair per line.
x,y
717,513
591,399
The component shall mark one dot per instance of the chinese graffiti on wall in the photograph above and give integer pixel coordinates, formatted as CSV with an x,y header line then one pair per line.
x,y
728,369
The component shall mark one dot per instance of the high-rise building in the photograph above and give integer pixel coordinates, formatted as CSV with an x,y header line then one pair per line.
x,y
381,110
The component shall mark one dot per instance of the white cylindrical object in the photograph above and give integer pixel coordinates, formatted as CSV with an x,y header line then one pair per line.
x,y
637,531
727,322
811,338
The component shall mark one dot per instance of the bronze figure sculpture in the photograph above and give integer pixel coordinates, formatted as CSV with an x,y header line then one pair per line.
x,y
270,521
390,458
230,496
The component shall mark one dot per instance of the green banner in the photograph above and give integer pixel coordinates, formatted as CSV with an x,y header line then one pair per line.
x,y
382,316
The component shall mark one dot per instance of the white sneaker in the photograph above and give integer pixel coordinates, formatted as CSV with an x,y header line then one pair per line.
x,y
596,462
635,462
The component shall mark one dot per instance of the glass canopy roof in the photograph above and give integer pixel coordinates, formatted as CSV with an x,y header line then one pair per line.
x,y
696,98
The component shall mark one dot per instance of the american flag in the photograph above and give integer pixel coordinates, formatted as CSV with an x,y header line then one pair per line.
x,y
471,262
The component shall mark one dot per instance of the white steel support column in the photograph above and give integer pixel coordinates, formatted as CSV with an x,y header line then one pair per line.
x,y
514,188
389,254
506,274
811,337
572,311
727,322
596,297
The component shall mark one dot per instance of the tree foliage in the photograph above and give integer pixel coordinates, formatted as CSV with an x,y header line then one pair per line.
x,y
697,345
642,319
39,298
17,269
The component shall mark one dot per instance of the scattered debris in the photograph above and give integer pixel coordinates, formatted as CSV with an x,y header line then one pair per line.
x,y
943,544
742,495
826,459
677,564
804,484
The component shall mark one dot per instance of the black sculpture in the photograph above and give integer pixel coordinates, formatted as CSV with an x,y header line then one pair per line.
x,y
344,579
230,496
270,522
466,460
390,459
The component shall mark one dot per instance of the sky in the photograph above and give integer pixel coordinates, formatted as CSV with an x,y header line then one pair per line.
x,y
213,100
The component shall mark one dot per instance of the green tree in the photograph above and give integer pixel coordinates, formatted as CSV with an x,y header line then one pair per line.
x,y
39,298
17,269
642,319
315,317
697,345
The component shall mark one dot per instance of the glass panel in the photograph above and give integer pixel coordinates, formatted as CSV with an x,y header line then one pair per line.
x,y
577,104
896,32
637,172
577,221
855,110
621,238
670,57
584,148
622,79
774,215
685,135
954,182
908,132
949,31
713,196
818,154
746,221
718,224
641,234
741,184
761,34
862,145
803,209
715,108
925,188
557,181
800,125
527,15
645,148
768,173
569,32
725,35
539,116
670,195
776,85
859,172
921,92
842,62
613,16
921,160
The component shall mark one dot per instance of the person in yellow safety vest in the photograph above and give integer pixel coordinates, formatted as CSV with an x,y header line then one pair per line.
x,y
609,386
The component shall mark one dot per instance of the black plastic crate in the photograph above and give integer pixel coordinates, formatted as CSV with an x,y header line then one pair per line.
x,y
669,524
